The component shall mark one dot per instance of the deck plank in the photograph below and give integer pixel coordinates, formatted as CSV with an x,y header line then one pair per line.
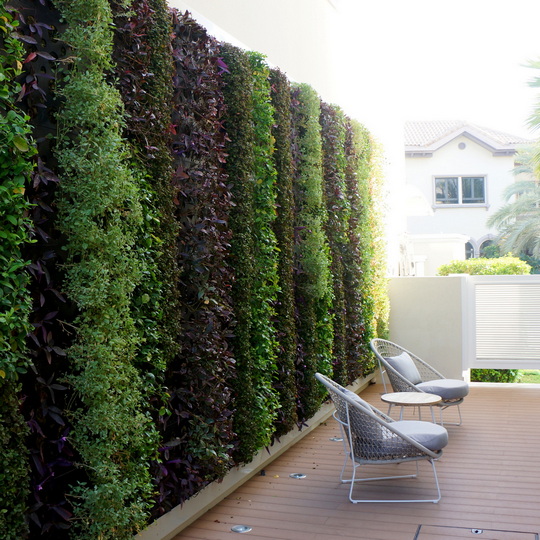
x,y
489,476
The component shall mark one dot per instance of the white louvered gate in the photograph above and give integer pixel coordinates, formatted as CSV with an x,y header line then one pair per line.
x,y
506,315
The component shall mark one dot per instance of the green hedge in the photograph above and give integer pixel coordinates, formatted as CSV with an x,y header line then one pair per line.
x,y
480,266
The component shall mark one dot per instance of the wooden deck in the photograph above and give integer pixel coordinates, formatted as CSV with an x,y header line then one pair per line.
x,y
489,476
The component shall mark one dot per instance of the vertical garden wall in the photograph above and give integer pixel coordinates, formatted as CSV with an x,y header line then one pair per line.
x,y
187,238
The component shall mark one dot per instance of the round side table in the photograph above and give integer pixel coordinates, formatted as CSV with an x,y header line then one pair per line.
x,y
411,399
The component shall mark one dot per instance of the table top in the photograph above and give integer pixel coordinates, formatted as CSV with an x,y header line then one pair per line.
x,y
411,398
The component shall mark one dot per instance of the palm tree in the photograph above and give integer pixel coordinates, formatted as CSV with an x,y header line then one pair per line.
x,y
519,221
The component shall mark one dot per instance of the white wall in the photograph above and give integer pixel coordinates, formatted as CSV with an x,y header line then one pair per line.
x,y
298,36
450,160
437,249
460,322
426,318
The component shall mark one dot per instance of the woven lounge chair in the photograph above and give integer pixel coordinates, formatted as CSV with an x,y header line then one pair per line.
x,y
372,438
408,373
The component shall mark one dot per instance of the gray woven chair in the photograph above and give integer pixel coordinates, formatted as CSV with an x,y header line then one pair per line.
x,y
408,373
370,437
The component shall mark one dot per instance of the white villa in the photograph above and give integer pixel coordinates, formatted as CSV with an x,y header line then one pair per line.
x,y
459,170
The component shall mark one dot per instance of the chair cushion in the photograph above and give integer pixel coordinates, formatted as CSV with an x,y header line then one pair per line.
x,y
432,436
446,388
404,364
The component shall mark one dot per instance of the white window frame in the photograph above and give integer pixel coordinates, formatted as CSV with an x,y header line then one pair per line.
x,y
460,203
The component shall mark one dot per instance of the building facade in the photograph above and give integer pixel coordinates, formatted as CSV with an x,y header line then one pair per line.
x,y
461,171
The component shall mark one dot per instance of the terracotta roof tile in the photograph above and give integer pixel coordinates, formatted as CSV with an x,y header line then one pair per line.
x,y
426,133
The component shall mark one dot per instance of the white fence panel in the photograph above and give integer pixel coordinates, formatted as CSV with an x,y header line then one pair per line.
x,y
507,321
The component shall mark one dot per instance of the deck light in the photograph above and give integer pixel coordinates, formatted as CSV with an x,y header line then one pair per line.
x,y
241,528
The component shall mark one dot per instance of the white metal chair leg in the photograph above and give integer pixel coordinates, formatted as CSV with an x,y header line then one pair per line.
x,y
442,407
354,480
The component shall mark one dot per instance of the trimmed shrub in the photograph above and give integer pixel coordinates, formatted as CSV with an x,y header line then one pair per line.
x,y
480,266
285,383
495,375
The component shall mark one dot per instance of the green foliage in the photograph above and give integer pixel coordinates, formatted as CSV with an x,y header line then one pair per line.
x,y
518,220
336,226
14,474
479,266
100,216
313,285
358,256
265,284
495,375
197,429
252,421
16,149
283,226
374,291
143,72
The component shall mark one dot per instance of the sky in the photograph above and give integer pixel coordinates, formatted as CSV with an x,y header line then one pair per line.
x,y
440,60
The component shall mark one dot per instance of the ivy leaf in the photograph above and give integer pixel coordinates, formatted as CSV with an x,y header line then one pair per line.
x,y
20,143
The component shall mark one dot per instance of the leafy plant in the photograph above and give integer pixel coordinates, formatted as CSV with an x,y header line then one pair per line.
x,y
252,383
495,375
196,427
265,279
480,266
16,150
313,294
332,122
44,393
100,215
143,69
285,383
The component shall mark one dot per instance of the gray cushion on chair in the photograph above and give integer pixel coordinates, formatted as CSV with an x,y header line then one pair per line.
x,y
446,388
404,364
430,435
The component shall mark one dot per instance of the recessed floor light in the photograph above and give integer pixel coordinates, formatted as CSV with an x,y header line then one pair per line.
x,y
297,475
241,528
